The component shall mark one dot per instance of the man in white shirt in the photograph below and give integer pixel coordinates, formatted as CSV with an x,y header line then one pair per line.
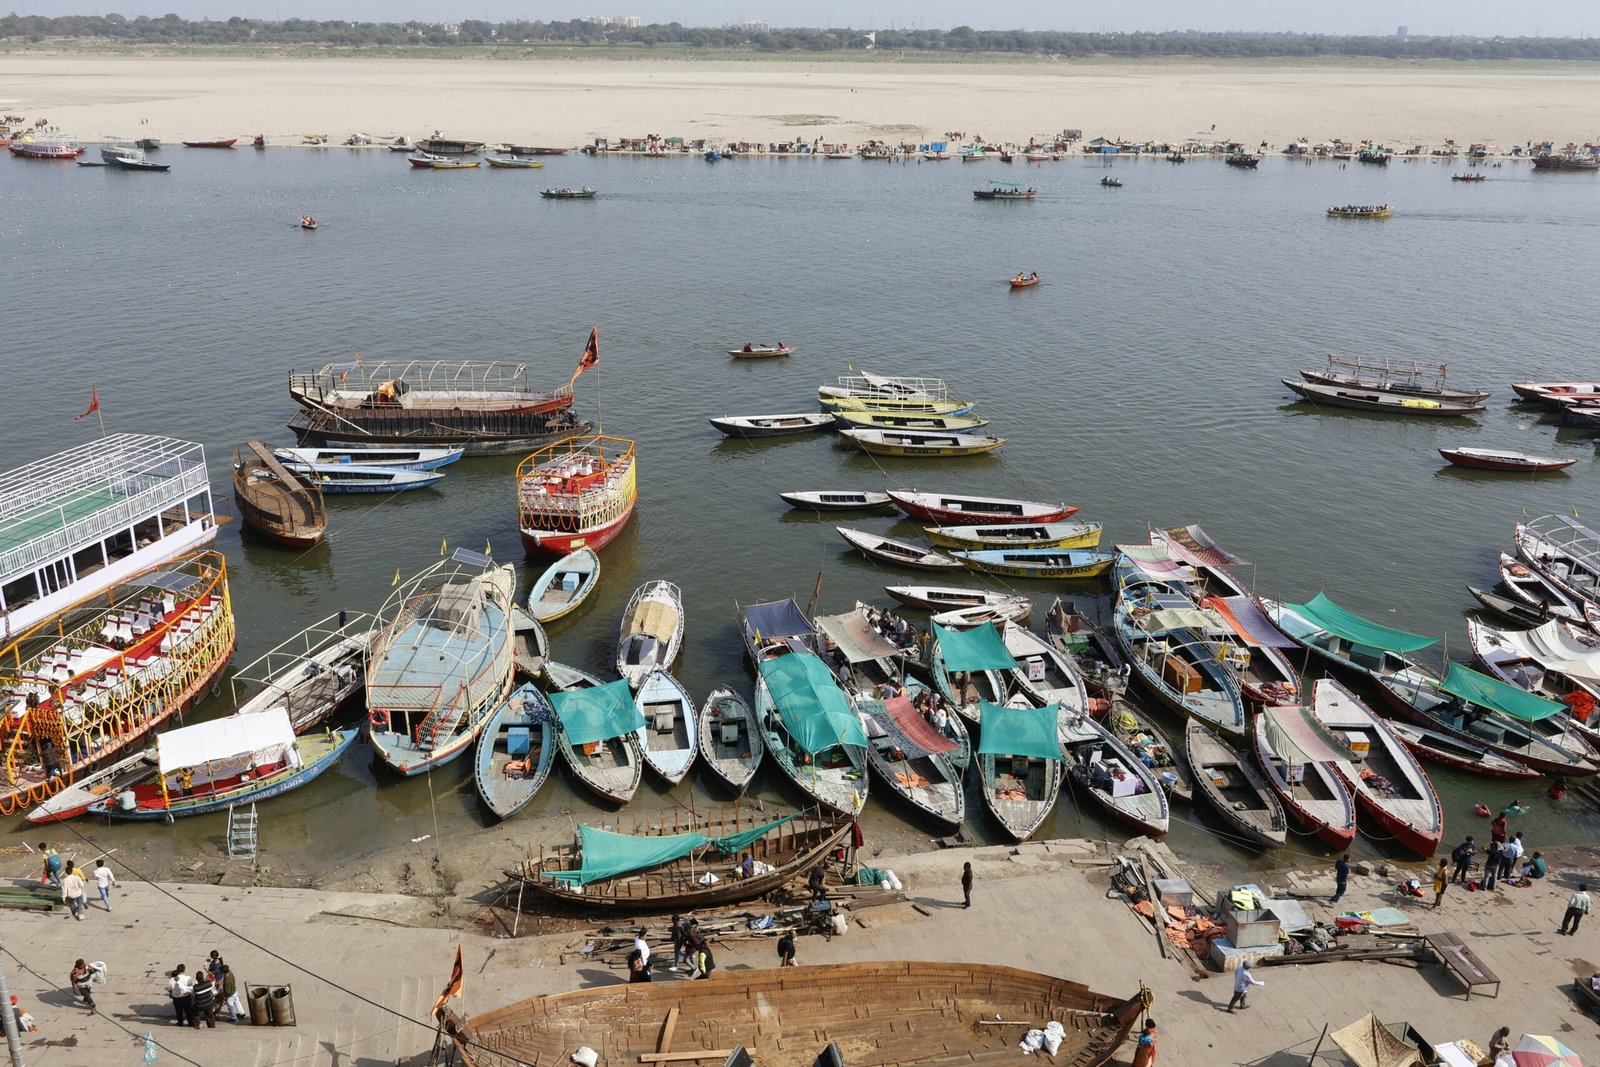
x,y
1242,981
641,946
1510,856
181,989
1577,908
104,879
72,893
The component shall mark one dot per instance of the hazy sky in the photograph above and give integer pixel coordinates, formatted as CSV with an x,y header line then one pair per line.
x,y
1550,18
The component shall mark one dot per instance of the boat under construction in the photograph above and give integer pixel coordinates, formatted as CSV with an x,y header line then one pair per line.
x,y
486,408
87,684
576,493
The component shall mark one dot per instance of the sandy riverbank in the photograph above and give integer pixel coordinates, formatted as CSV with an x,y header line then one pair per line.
x,y
571,101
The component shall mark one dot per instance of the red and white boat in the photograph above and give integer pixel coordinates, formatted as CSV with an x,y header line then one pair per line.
x,y
578,492
1388,783
1490,459
1553,393
1442,748
1295,751
953,509
45,145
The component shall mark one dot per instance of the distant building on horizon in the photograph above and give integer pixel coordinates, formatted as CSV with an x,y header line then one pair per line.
x,y
1402,32
626,22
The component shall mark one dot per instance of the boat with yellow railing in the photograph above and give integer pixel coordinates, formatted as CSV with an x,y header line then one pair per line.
x,y
576,493
88,684
1360,211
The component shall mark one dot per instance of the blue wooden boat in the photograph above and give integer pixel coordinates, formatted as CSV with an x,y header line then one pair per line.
x,y
352,478
564,585
515,752
668,738
1039,562
241,759
411,459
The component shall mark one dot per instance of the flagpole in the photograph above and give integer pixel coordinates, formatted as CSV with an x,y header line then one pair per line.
x,y
100,417
599,415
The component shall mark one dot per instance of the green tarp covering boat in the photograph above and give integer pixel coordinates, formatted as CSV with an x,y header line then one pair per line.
x,y
1020,731
978,649
597,713
814,709
1321,612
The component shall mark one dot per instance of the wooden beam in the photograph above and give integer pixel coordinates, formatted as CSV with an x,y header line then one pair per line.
x,y
684,1057
664,1043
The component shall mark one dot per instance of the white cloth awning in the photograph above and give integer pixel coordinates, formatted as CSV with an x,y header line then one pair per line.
x,y
220,739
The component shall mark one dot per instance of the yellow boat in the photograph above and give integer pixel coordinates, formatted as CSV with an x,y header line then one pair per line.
x,y
917,405
1015,535
920,443
1360,211
908,420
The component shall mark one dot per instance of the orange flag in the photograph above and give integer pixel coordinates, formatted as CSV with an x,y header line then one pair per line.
x,y
452,988
94,405
591,354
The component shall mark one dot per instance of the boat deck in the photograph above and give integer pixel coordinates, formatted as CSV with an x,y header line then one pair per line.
x,y
428,656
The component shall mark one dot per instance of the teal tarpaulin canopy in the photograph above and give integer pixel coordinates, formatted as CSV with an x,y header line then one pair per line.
x,y
597,713
813,707
606,854
978,649
1324,613
1020,731
1468,684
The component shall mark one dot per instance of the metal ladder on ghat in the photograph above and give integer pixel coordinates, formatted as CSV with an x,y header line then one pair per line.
x,y
242,840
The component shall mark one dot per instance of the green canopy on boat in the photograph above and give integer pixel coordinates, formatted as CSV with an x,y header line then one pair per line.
x,y
597,713
978,649
606,854
1019,731
814,709
1325,614
1468,684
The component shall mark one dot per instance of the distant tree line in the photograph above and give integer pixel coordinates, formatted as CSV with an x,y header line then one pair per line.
x,y
172,30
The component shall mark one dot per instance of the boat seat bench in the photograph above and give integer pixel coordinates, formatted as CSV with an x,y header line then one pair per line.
x,y
1460,961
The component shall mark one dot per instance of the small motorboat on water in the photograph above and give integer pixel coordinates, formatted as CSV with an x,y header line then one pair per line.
x,y
428,161
307,222
568,193
1025,281
514,163
750,351
1111,183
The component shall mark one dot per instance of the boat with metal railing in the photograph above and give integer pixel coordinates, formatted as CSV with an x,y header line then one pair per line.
x,y
578,492
442,661
310,674
85,685
79,522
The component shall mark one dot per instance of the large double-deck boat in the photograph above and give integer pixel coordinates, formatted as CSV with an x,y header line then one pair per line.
x,y
77,523
576,493
45,144
85,684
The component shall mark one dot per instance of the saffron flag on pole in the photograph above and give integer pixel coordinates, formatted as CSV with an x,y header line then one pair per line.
x,y
94,405
452,988
591,354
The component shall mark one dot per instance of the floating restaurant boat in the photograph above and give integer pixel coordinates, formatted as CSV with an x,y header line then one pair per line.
x,y
810,730
1099,761
1387,403
411,459
662,867
83,520
276,501
1439,747
835,500
1296,751
922,444
773,425
1360,211
516,750
351,478
900,1014
730,739
1039,563
564,585
1004,191
1490,459
90,682
514,163
900,553
45,145
238,760
761,351
946,598
953,509
1019,763
669,739
651,635
599,732
568,193
913,759
1403,377
442,661
898,420
576,493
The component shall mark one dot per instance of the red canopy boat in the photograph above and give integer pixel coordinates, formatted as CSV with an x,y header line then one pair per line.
x,y
1489,459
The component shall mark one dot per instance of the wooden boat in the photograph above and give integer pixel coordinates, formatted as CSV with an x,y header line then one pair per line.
x,y
1490,459
1019,788
1043,672
730,741
1244,162
1531,588
369,393
946,598
228,143
444,146
1508,608
669,739
1028,282
577,493
75,799
773,425
1001,190
1555,660
1450,751
1093,652
413,459
1402,377
1039,562
514,163
810,730
442,661
1111,183
922,444
311,674
662,865
598,732
896,420
230,761
1387,782
1468,177
429,161
350,478
276,501
1541,391
1167,641
913,759
834,500
531,150
1098,761
530,644
898,1014
134,161
899,404
651,635
568,193
1017,535
1384,402
1016,609
564,585
515,752
1360,211
900,553
1223,776
307,222
952,509
870,386
761,351
976,670
1564,553
1294,751
1137,728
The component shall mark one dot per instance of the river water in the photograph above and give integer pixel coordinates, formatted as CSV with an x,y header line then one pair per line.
x,y
1139,381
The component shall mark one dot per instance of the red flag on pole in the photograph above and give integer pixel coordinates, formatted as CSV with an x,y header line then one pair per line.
x,y
452,988
591,354
94,405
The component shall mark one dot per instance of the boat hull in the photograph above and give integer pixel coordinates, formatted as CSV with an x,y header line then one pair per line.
x,y
1338,835
969,511
1480,460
